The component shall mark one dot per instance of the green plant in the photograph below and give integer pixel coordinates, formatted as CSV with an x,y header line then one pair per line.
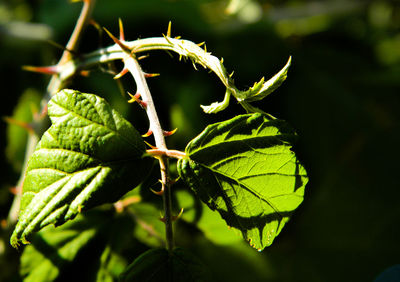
x,y
91,156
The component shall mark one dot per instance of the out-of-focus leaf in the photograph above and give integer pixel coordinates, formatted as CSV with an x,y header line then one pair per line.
x,y
149,230
158,265
89,156
244,168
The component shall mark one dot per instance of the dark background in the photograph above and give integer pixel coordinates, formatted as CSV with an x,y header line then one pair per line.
x,y
341,95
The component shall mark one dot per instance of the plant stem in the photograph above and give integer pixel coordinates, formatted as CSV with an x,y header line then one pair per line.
x,y
56,83
134,68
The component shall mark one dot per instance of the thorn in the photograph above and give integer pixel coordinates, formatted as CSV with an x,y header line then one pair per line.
x,y
122,204
168,40
158,193
231,74
143,57
151,146
46,70
117,41
148,75
169,29
194,65
61,47
205,48
148,133
79,208
96,25
3,223
169,133
43,113
121,30
169,53
172,181
161,192
222,60
19,123
136,98
121,74
201,43
178,37
13,190
180,57
84,73
176,217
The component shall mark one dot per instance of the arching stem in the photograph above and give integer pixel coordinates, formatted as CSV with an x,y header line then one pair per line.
x,y
134,68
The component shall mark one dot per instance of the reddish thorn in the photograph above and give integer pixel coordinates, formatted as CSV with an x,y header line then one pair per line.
x,y
158,193
121,30
143,57
19,123
151,146
173,181
163,219
122,204
46,70
143,104
175,217
134,98
84,73
169,133
148,75
3,223
13,190
40,116
122,73
148,133
96,25
117,41
44,112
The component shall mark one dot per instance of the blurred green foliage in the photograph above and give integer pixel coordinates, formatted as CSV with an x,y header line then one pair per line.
x,y
341,95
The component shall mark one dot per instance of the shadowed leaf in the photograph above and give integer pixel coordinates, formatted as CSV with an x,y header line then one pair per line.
x,y
244,168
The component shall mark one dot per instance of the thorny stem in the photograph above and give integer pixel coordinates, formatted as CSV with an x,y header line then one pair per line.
x,y
57,82
134,68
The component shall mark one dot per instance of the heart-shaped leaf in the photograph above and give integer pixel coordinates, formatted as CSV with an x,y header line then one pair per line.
x,y
89,156
244,168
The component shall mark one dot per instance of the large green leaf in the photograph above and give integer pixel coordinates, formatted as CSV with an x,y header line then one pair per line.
x,y
244,168
89,156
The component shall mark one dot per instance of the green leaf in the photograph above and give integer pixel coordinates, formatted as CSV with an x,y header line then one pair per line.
x,y
150,230
244,168
209,222
158,265
89,156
